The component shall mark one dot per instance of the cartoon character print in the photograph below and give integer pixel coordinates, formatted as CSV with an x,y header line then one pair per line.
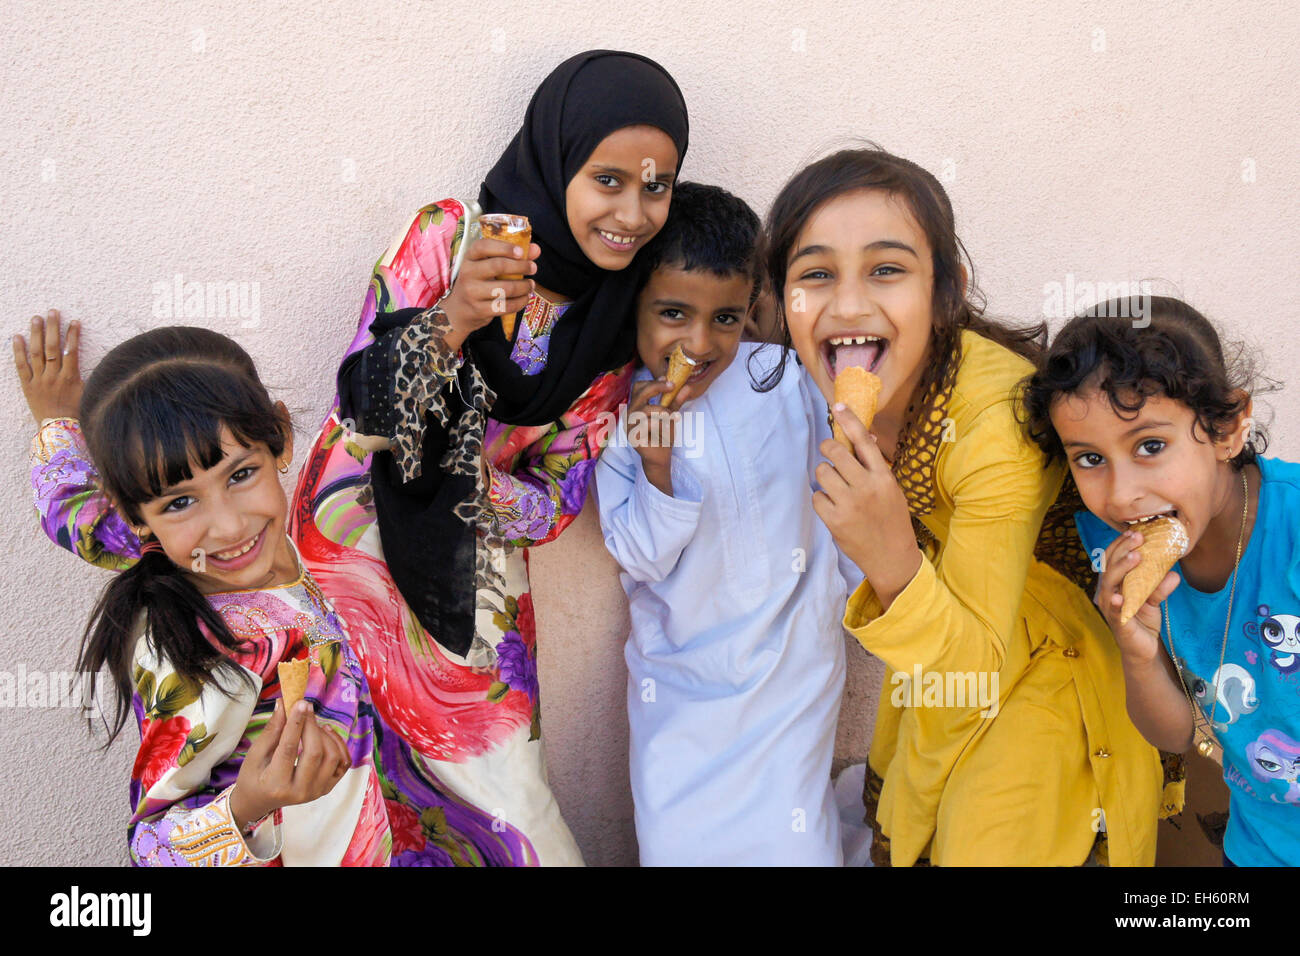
x,y
1275,756
1235,692
1280,633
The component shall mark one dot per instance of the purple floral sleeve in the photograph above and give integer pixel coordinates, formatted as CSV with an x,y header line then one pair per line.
x,y
539,476
73,511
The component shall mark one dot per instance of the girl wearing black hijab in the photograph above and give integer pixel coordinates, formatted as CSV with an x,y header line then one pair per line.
x,y
453,448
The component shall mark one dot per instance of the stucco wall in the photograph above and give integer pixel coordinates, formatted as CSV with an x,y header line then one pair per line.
x,y
282,145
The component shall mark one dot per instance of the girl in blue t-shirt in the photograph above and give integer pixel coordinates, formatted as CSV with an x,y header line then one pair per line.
x,y
1136,395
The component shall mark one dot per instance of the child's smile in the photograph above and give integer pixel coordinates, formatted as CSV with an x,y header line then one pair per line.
x,y
226,524
702,312
858,292
612,211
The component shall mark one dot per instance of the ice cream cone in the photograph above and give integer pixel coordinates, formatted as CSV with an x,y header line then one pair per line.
x,y
1164,541
293,681
517,231
679,370
860,391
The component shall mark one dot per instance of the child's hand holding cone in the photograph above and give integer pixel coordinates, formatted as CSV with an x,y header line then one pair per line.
x,y
293,760
1128,600
859,491
679,370
652,428
1164,541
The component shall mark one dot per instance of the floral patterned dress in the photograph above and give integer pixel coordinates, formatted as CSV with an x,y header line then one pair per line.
x,y
472,719
194,739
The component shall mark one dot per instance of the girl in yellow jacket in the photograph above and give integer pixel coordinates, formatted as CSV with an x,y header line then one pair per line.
x,y
1001,736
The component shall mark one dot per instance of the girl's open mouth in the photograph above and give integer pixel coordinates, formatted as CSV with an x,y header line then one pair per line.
x,y
864,351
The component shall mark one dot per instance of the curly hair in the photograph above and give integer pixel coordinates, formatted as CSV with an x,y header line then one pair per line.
x,y
1131,349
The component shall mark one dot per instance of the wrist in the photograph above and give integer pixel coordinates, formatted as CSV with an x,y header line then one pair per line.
x,y
892,582
454,331
454,339
1140,664
660,475
244,814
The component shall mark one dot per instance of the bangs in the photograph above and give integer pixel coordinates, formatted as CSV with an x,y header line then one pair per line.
x,y
167,423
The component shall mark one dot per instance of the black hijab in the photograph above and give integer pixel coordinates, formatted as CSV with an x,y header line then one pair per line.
x,y
583,100
429,524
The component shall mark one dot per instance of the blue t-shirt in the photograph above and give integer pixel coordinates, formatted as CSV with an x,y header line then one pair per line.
x,y
1257,722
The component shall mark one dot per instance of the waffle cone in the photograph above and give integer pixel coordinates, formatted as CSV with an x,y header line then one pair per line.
x,y
508,325
679,370
1164,541
860,391
293,681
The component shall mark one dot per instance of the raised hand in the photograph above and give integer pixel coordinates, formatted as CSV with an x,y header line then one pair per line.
x,y
49,369
1139,639
652,429
865,510
479,296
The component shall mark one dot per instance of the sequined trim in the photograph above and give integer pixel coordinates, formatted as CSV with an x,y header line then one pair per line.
x,y
532,341
205,836
1173,795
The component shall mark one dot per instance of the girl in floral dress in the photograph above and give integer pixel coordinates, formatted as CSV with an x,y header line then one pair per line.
x,y
455,444
214,781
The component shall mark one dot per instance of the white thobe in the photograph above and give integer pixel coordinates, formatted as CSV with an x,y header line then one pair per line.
x,y
736,656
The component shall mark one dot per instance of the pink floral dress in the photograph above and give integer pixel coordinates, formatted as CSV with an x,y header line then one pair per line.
x,y
473,720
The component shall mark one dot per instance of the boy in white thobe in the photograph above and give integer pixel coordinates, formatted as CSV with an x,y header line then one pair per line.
x,y
736,656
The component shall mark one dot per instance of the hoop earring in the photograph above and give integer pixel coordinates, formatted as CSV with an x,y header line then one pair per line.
x,y
284,468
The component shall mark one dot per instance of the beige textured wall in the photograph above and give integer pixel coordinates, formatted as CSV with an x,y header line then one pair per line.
x,y
283,144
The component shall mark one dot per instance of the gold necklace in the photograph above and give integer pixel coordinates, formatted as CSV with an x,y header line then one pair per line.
x,y
1202,732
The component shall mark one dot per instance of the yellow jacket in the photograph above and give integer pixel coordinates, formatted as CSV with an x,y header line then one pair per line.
x,y
1032,782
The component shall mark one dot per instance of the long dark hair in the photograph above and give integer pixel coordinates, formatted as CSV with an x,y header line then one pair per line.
x,y
1131,349
155,406
956,305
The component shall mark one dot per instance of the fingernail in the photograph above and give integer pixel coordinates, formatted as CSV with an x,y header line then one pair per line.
x,y
840,406
302,707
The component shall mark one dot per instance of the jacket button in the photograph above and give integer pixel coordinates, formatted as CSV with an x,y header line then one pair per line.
x,y
1102,752
1070,652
